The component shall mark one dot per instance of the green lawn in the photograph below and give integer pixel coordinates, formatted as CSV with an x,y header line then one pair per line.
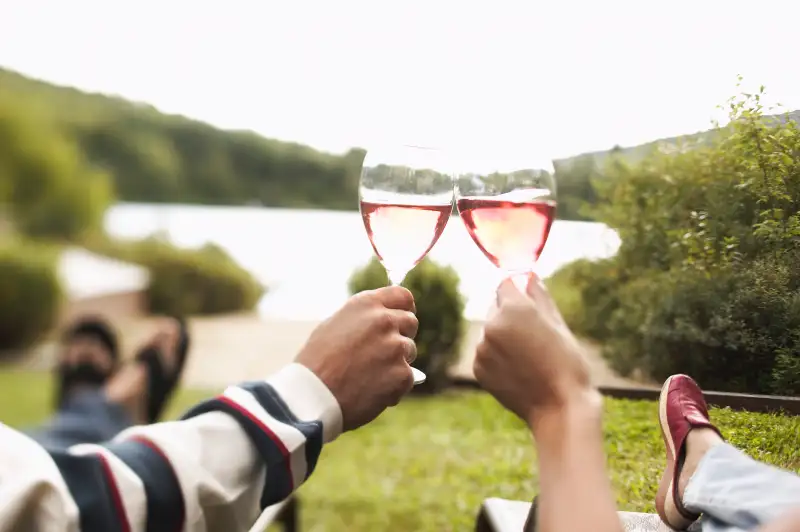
x,y
427,464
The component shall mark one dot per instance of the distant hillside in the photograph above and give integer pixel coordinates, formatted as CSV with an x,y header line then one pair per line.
x,y
637,153
155,157
575,175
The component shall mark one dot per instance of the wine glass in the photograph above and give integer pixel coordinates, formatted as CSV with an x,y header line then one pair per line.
x,y
406,196
508,208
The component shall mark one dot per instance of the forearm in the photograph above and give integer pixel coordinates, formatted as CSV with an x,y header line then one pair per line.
x,y
786,523
572,469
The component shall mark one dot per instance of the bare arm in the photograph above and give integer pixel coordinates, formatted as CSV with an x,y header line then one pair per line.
x,y
533,365
575,492
788,523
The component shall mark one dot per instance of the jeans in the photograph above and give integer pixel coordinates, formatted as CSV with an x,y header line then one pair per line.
x,y
86,417
736,493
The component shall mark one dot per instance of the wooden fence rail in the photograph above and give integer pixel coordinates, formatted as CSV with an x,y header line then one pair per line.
x,y
734,401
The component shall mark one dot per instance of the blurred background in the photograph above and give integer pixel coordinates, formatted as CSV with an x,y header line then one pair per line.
x,y
203,158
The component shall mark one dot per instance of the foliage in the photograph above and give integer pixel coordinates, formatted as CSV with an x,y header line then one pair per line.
x,y
575,179
154,157
706,279
382,477
46,188
440,310
30,293
188,281
582,280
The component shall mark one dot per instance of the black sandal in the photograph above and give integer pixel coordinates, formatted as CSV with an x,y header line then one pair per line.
x,y
160,384
86,373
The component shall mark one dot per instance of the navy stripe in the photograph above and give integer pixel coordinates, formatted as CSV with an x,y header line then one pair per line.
x,y
89,486
278,483
275,406
165,509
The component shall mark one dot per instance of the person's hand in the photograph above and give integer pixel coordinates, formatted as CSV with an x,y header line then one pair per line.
x,y
362,353
528,358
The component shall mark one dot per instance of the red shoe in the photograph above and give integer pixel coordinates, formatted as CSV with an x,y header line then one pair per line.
x,y
681,408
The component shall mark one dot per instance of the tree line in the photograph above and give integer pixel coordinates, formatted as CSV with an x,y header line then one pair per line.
x,y
157,158
154,157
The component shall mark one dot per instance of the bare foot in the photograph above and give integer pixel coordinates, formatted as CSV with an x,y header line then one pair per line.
x,y
130,384
698,443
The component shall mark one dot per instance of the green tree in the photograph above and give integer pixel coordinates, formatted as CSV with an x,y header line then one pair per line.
x,y
706,278
575,179
47,189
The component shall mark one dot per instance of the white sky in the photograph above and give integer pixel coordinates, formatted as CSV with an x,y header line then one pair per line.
x,y
547,79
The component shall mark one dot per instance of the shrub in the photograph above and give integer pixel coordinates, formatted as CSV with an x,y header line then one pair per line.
x,y
48,189
584,280
706,279
188,281
738,330
30,293
440,310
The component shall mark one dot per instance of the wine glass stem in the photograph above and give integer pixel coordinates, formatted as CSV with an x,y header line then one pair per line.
x,y
521,279
396,277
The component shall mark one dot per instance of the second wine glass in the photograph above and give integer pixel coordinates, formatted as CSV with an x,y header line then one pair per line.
x,y
508,210
406,199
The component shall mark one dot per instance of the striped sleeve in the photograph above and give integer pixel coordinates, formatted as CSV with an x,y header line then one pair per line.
x,y
227,459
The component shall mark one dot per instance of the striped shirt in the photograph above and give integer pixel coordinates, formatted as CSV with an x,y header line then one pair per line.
x,y
215,469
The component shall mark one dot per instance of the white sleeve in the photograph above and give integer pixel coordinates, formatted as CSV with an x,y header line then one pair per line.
x,y
216,469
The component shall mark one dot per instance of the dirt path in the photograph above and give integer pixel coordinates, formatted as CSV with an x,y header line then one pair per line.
x,y
233,348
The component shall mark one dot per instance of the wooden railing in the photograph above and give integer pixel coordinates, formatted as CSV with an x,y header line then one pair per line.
x,y
734,401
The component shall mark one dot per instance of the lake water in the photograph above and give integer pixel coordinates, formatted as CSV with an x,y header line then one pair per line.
x,y
306,256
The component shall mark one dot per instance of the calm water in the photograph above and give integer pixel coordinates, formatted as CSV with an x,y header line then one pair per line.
x,y
306,256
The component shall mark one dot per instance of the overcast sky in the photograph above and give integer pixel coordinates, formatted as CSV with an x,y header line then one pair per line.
x,y
547,79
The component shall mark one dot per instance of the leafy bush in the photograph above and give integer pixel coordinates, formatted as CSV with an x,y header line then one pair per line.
x,y
47,189
706,280
440,310
188,282
580,281
30,293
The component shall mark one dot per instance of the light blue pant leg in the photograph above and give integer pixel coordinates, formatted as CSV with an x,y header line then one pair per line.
x,y
736,493
86,417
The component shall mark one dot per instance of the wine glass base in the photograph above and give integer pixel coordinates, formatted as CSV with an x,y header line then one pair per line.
x,y
419,377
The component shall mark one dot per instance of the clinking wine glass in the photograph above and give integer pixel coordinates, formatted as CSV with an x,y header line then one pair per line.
x,y
406,197
508,210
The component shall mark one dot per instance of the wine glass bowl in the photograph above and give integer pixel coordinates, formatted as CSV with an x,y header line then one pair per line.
x,y
508,214
406,199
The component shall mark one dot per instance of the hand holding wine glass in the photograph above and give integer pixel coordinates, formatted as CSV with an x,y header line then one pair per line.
x,y
406,195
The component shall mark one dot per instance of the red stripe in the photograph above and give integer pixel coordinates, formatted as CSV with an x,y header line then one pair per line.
x,y
149,443
116,495
275,439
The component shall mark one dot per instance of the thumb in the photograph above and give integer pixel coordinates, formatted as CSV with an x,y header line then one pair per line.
x,y
537,291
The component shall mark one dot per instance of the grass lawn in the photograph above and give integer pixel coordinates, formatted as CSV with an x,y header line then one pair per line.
x,y
428,464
